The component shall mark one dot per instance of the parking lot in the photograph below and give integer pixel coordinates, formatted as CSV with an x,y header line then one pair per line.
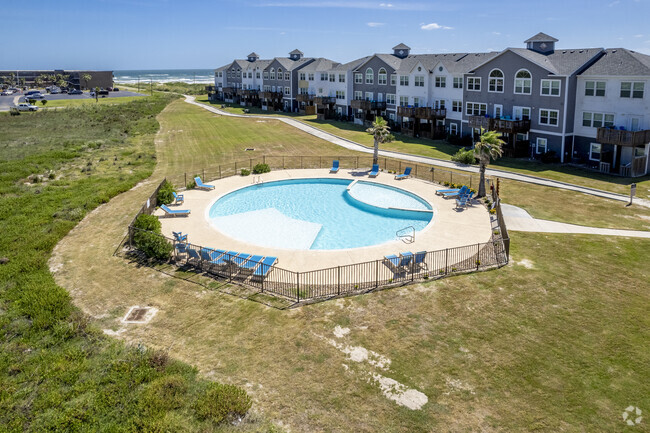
x,y
7,102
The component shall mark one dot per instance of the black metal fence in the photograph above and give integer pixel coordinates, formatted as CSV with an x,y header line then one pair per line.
x,y
346,279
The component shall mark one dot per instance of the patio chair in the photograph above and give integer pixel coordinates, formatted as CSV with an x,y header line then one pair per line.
x,y
201,185
249,265
464,190
265,267
375,171
180,237
407,173
418,261
443,191
462,201
193,256
392,262
240,259
174,213
335,166
178,198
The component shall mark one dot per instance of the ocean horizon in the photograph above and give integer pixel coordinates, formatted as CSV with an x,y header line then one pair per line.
x,y
190,76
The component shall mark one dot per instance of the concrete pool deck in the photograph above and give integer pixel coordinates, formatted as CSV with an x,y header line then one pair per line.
x,y
449,227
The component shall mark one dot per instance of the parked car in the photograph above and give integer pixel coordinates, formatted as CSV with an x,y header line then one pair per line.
x,y
7,92
24,106
32,92
103,92
110,89
35,96
115,89
55,90
75,92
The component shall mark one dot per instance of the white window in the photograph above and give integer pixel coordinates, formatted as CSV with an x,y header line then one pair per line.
x,y
340,94
257,75
550,87
419,81
390,98
287,90
403,101
474,84
476,109
302,76
439,104
358,78
458,82
595,88
548,117
380,97
287,76
453,128
495,81
266,75
369,96
382,77
369,76
523,82
441,81
310,76
332,78
521,113
303,91
541,145
358,94
416,101
403,80
631,89
267,88
341,78
597,120
594,151
457,106
393,79
324,76
273,73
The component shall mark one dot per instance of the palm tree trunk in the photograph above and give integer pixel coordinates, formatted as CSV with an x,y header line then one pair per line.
x,y
375,154
481,182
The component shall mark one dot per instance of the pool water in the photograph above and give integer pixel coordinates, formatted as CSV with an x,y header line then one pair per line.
x,y
317,214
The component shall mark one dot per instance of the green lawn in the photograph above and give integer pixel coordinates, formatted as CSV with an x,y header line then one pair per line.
x,y
56,103
58,372
555,341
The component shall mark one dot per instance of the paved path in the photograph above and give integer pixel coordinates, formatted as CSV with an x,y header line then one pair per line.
x,y
518,219
349,144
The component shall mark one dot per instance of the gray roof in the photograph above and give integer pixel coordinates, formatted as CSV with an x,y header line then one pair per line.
x,y
620,61
349,66
296,51
253,54
455,63
223,68
541,37
290,65
321,64
401,47
560,62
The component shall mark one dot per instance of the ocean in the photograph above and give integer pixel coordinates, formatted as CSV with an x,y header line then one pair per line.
x,y
198,76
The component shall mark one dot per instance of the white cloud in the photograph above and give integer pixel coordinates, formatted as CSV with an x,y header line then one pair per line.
x,y
385,5
614,3
434,26
496,33
405,6
638,36
374,24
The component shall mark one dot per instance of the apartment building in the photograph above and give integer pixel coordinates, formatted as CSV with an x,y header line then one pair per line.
x,y
583,105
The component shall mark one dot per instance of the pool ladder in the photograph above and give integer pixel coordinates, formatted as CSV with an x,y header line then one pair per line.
x,y
257,180
406,235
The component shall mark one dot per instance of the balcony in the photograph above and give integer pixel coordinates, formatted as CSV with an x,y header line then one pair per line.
x,y
430,113
406,111
304,97
500,125
359,104
623,138
324,100
271,95
229,90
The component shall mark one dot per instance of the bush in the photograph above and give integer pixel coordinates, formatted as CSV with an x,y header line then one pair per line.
x,y
549,157
245,172
164,394
165,195
222,402
464,156
147,238
261,168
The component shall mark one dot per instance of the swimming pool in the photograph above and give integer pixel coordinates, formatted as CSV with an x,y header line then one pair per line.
x,y
318,214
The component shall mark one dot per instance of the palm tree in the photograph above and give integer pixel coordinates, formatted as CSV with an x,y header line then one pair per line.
x,y
488,148
380,131
86,77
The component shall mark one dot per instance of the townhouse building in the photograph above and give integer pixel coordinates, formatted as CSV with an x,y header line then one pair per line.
x,y
585,105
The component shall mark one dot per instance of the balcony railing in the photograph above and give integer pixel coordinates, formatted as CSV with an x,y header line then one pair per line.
x,y
271,95
500,125
430,113
406,111
324,100
623,138
303,97
360,104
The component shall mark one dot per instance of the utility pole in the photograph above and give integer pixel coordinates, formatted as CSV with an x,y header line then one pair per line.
x,y
151,86
138,83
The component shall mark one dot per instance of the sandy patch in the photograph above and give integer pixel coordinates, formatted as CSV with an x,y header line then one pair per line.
x,y
528,264
458,385
341,332
400,393
114,333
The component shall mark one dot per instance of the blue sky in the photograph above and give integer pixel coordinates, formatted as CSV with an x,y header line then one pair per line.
x,y
160,34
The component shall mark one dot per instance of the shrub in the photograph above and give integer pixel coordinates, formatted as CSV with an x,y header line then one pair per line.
x,y
221,402
261,168
549,157
464,156
148,238
165,195
245,172
147,222
164,394
43,101
14,111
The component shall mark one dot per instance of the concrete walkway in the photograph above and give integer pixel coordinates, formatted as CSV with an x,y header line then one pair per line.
x,y
349,144
517,219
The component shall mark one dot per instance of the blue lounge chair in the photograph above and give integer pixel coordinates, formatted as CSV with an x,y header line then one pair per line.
x,y
419,261
209,255
375,171
443,191
193,255
250,264
464,190
392,261
178,198
405,259
461,202
407,173
201,185
335,166
265,267
398,264
181,248
240,259
180,237
174,213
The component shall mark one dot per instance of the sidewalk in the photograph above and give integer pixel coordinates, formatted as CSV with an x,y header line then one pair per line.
x,y
349,144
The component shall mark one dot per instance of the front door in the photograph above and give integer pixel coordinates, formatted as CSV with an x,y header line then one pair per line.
x,y
498,111
635,123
